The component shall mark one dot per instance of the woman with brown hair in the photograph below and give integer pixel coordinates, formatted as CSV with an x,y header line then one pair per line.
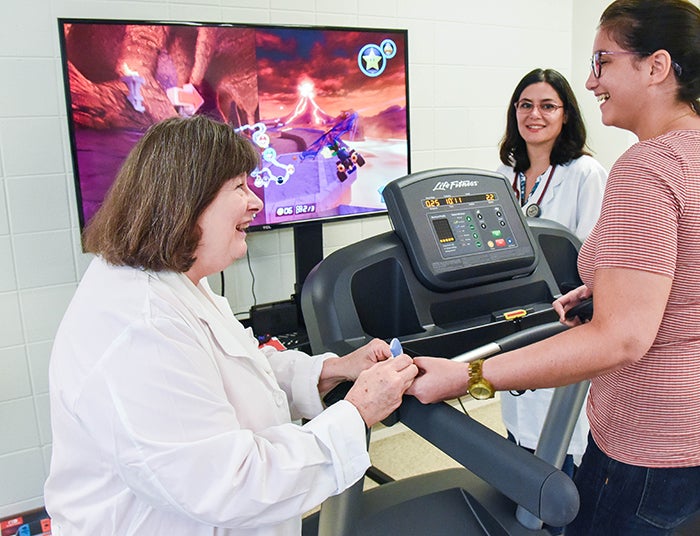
x,y
640,473
167,418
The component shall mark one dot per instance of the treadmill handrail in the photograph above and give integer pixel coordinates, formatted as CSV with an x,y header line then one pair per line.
x,y
512,470
512,341
562,417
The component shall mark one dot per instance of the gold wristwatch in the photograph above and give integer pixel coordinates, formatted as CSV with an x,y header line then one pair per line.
x,y
479,387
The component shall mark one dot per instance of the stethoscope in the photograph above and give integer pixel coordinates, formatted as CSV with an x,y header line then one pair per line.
x,y
533,210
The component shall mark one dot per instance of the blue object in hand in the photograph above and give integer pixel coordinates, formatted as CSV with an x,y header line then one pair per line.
x,y
395,346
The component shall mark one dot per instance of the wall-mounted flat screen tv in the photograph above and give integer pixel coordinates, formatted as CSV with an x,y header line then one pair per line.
x,y
326,107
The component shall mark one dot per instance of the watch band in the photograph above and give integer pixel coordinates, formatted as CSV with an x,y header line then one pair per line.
x,y
479,387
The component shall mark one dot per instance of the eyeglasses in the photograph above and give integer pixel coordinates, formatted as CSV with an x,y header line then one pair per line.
x,y
596,66
525,107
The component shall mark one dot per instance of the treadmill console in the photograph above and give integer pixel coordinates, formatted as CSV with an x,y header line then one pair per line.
x,y
460,227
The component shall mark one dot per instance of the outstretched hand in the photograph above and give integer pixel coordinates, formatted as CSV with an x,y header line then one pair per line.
x,y
438,379
366,356
379,390
348,368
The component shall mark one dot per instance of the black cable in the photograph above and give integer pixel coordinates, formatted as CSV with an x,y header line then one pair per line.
x,y
459,399
252,275
222,283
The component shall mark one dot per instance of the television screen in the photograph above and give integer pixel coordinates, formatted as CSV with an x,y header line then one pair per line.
x,y
326,107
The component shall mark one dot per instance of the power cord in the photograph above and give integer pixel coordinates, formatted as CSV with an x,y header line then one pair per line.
x,y
252,275
459,399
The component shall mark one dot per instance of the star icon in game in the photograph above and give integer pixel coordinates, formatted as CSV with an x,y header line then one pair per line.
x,y
372,59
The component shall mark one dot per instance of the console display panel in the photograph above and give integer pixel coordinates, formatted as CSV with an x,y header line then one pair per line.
x,y
460,227
326,107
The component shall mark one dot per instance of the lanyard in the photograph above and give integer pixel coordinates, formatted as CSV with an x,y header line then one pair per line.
x,y
537,183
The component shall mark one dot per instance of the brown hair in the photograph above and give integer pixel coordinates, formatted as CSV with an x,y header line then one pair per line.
x,y
645,26
571,142
149,217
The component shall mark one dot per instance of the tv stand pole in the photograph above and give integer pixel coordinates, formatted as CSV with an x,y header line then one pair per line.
x,y
308,252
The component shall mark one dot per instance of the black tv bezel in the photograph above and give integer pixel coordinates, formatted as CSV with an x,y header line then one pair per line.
x,y
62,21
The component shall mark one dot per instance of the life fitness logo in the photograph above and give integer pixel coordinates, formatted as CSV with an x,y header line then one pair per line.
x,y
449,185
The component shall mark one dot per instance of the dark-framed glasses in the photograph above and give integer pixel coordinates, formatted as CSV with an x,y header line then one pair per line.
x,y
596,65
525,107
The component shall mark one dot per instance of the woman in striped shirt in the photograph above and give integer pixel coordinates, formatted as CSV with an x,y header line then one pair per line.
x,y
641,471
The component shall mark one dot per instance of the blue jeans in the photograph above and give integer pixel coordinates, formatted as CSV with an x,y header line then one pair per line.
x,y
620,499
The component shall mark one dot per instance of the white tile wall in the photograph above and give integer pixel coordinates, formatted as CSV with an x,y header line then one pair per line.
x,y
15,381
7,265
23,473
465,57
38,203
4,224
42,310
31,145
38,354
19,425
26,30
30,98
11,333
57,259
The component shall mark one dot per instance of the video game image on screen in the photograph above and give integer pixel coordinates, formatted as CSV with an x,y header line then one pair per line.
x,y
327,107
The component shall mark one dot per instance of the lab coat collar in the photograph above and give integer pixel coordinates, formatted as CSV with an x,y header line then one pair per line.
x,y
555,183
215,312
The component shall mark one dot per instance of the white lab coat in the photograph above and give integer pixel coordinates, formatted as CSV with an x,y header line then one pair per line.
x,y
167,419
573,199
574,195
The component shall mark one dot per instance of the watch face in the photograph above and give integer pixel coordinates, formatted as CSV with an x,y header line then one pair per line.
x,y
480,391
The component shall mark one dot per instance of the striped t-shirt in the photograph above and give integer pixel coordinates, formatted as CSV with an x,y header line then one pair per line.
x,y
648,413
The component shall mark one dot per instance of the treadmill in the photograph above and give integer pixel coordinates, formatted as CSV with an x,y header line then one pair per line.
x,y
463,275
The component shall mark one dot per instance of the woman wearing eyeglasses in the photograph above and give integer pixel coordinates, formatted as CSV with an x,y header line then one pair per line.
x,y
641,470
544,156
